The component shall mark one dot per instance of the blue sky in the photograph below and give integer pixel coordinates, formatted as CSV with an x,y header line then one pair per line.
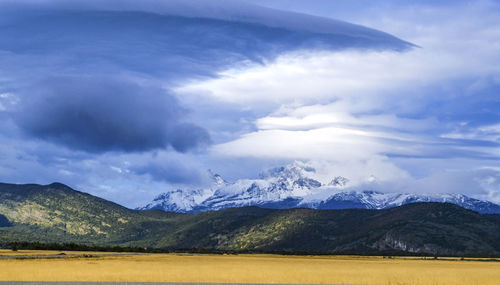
x,y
126,100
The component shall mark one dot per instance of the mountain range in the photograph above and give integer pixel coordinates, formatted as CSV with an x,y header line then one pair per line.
x,y
292,186
56,213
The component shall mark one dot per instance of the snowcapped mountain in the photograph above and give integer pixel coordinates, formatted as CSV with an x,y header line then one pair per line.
x,y
291,186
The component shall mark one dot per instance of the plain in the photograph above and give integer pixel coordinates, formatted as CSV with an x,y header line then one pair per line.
x,y
248,269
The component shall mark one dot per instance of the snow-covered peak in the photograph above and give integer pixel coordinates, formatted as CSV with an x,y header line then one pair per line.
x,y
293,180
173,201
293,186
217,179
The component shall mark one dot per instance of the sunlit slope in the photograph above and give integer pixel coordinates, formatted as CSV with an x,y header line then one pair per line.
x,y
56,213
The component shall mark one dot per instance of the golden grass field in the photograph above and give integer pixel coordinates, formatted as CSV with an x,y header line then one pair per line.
x,y
249,269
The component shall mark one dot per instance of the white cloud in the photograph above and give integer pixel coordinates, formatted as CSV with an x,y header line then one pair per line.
x,y
486,133
363,174
482,183
369,79
337,114
7,100
329,142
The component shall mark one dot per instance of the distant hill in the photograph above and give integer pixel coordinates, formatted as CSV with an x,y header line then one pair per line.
x,y
57,213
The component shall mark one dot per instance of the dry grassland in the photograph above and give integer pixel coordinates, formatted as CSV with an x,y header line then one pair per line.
x,y
41,253
252,269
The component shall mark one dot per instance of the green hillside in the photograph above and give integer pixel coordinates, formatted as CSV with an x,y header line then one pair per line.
x,y
56,213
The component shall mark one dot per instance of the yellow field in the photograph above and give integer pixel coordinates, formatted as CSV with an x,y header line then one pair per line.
x,y
250,269
40,253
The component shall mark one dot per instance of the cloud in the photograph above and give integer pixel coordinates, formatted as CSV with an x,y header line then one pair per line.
x,y
372,79
174,40
102,113
340,33
482,183
343,144
486,133
350,104
171,168
111,175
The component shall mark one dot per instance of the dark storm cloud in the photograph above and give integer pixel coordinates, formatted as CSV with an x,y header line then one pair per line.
x,y
173,45
296,27
171,171
99,114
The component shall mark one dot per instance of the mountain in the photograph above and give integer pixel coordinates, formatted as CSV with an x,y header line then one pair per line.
x,y
57,213
415,228
378,200
293,187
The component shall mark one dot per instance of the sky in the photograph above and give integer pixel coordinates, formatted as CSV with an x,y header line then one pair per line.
x,y
127,99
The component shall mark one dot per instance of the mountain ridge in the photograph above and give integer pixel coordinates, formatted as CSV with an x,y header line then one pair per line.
x,y
292,186
55,211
